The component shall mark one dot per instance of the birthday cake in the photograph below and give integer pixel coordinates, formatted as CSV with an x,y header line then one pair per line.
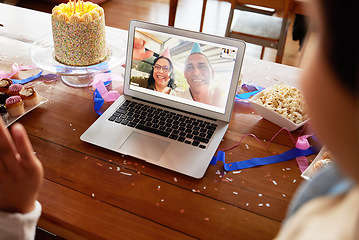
x,y
78,30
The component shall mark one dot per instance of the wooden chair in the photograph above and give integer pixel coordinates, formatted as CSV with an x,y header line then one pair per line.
x,y
256,24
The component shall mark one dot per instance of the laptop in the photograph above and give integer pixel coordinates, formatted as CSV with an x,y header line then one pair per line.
x,y
180,126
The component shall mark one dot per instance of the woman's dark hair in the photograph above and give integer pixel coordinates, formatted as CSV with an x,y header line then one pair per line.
x,y
339,41
151,80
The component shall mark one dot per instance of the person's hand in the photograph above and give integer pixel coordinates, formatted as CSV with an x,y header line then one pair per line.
x,y
21,172
139,52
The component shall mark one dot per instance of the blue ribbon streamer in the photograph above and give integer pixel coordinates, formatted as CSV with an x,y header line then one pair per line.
x,y
246,95
26,80
288,155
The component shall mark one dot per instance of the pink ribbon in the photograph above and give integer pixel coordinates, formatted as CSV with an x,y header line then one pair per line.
x,y
303,144
16,68
98,83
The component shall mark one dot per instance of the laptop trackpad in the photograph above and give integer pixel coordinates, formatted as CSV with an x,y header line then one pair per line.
x,y
144,147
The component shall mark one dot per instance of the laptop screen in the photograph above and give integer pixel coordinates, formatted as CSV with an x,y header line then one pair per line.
x,y
182,69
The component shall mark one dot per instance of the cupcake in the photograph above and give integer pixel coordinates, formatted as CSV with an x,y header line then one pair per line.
x,y
14,89
15,106
29,96
5,84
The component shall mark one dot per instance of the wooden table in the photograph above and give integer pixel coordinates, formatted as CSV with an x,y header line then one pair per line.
x,y
93,193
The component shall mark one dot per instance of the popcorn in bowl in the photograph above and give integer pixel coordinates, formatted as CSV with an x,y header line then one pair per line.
x,y
281,104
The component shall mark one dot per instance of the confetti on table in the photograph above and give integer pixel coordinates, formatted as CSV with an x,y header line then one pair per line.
x,y
99,164
274,182
267,204
267,175
247,147
93,195
284,195
206,219
260,194
236,172
294,181
235,193
261,204
124,173
175,179
118,169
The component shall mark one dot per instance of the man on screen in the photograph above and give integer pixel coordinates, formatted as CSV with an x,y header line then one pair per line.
x,y
199,73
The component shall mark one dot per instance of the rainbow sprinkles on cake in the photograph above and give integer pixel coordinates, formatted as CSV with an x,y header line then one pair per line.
x,y
78,30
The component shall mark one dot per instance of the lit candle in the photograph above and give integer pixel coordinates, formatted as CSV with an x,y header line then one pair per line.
x,y
74,6
70,5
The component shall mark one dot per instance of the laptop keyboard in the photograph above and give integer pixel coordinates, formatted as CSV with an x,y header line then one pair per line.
x,y
189,130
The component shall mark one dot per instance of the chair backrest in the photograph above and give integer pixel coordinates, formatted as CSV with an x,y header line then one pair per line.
x,y
279,5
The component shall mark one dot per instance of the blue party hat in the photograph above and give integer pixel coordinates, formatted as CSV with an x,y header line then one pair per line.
x,y
196,48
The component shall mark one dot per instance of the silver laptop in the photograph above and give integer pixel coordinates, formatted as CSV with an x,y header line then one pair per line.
x,y
179,91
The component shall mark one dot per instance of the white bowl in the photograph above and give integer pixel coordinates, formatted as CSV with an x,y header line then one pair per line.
x,y
273,116
310,171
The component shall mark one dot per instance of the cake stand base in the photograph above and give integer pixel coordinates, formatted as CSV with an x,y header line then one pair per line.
x,y
77,81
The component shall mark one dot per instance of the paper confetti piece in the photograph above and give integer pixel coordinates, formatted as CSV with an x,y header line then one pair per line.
x,y
124,173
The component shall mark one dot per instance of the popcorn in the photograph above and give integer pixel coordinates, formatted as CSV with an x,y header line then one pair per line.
x,y
286,100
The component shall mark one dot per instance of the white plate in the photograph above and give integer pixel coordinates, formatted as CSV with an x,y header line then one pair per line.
x,y
309,172
11,120
273,116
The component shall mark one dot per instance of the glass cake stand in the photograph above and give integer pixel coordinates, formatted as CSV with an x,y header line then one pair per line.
x,y
42,54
